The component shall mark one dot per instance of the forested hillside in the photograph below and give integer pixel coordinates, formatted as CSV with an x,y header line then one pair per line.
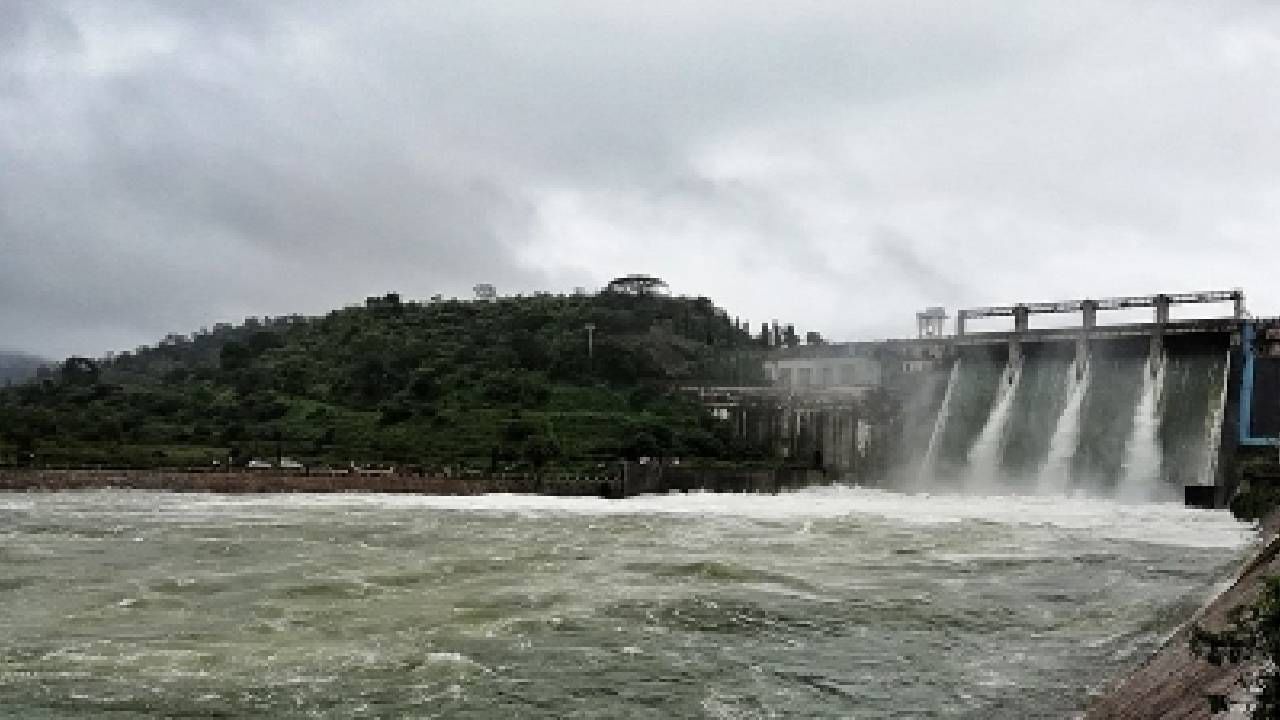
x,y
507,383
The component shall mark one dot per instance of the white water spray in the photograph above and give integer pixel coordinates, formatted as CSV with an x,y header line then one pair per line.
x,y
1141,469
984,456
1213,429
927,466
1055,474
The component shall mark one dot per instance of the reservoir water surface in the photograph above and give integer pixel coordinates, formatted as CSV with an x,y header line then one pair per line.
x,y
836,602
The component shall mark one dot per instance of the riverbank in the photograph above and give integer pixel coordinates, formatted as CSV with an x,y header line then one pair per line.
x,y
625,482
1174,683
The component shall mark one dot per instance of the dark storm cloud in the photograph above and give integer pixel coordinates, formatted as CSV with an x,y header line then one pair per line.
x,y
167,165
199,182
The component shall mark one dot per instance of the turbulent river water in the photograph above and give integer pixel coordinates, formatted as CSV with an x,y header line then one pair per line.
x,y
823,603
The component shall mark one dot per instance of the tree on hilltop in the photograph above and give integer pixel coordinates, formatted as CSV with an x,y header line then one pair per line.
x,y
636,285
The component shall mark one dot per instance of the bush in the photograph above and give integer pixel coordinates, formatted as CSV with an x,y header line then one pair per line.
x,y
1252,639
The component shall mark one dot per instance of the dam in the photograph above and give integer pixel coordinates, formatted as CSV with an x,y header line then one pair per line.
x,y
1147,411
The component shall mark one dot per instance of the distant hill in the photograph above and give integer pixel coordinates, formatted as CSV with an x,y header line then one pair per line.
x,y
510,382
16,367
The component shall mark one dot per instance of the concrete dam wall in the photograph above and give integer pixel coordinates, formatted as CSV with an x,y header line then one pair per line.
x,y
1156,411
1121,422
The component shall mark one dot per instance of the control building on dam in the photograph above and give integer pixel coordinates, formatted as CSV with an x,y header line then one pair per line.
x,y
1156,410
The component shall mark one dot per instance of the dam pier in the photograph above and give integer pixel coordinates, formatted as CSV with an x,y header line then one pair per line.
x,y
1155,410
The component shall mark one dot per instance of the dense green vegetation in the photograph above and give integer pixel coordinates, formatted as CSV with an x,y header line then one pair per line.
x,y
484,384
1251,641
1257,483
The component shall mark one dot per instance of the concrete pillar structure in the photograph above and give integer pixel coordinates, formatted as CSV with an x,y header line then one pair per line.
x,y
855,460
799,432
804,438
1021,319
1090,310
843,456
766,430
1162,309
847,439
1157,333
786,431
778,429
960,316
830,445
1238,300
1021,323
1090,321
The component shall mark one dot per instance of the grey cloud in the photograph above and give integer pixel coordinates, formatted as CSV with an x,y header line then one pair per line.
x,y
903,261
166,165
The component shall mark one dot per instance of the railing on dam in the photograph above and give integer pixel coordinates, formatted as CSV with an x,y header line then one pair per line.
x,y
1089,307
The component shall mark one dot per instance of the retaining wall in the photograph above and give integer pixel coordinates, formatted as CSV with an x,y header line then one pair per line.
x,y
633,480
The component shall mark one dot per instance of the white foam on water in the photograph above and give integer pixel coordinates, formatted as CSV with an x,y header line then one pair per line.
x,y
1160,523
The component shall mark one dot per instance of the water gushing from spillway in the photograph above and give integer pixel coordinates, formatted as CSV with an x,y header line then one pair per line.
x,y
984,456
1142,455
1055,474
1213,428
1116,423
929,465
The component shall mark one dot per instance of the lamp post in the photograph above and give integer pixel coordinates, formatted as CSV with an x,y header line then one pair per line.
x,y
591,328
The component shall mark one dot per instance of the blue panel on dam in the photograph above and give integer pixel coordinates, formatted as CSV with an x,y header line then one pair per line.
x,y
1259,421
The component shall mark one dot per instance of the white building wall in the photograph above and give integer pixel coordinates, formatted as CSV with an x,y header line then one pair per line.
x,y
817,373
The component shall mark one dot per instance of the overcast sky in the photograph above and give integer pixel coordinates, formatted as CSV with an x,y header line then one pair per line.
x,y
169,165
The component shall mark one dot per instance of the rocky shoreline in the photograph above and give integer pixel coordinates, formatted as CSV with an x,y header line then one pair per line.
x,y
1173,683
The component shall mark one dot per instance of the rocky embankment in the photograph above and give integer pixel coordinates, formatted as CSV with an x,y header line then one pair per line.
x,y
1173,683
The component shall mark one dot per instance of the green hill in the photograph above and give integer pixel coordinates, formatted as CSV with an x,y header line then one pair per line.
x,y
505,383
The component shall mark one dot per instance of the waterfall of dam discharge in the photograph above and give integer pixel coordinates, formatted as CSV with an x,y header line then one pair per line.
x,y
1055,474
928,466
985,455
1142,454
1119,424
1213,429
